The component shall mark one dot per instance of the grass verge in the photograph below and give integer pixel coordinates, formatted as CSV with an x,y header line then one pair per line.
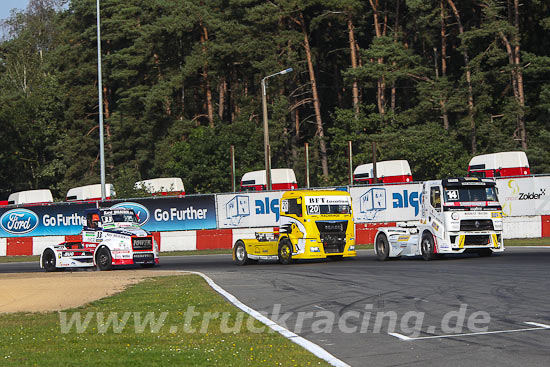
x,y
168,339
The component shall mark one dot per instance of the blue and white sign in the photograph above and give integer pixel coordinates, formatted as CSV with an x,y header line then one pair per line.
x,y
258,209
19,221
142,213
154,214
386,203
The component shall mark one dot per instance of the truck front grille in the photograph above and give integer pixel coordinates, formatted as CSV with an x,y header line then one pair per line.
x,y
472,240
333,242
336,226
476,225
142,243
333,235
144,258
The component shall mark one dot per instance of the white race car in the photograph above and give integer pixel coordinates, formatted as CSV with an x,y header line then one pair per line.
x,y
109,237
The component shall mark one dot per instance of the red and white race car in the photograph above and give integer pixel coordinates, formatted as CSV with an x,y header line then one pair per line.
x,y
109,237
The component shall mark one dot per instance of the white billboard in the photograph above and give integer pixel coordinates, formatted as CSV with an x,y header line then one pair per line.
x,y
248,209
521,196
386,203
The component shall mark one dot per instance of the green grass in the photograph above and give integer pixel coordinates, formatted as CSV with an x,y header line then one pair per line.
x,y
18,259
545,241
197,252
370,246
36,339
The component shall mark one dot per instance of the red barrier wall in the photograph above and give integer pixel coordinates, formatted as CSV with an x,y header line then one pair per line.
x,y
365,232
545,225
209,239
17,246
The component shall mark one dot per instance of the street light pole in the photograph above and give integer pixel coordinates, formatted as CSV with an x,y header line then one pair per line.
x,y
266,127
100,97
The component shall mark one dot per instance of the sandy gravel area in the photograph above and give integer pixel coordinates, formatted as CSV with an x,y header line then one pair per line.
x,y
42,292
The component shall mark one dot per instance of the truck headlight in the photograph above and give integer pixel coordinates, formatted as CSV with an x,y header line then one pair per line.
x,y
314,249
351,248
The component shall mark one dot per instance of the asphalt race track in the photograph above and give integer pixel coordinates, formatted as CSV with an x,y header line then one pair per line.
x,y
462,310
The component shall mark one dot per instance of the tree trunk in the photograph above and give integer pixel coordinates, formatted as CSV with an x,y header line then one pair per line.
x,y
519,78
209,105
221,102
316,104
381,83
443,102
167,102
353,52
395,33
468,81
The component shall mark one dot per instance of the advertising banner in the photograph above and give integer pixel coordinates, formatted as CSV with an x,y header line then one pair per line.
x,y
248,209
44,220
386,203
154,214
520,196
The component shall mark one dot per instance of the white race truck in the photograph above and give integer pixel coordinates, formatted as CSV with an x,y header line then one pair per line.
x,y
109,237
458,215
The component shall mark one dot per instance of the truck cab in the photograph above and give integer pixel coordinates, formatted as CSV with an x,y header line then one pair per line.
x,y
164,186
314,224
458,215
397,171
502,164
90,193
109,237
281,179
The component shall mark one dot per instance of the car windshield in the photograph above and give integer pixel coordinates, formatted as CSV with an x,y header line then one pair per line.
x,y
472,194
120,218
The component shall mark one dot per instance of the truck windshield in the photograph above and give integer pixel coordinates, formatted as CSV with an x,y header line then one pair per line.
x,y
316,205
471,194
120,218
328,209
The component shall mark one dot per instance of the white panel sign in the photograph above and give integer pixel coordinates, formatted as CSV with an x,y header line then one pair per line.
x,y
248,209
386,203
521,196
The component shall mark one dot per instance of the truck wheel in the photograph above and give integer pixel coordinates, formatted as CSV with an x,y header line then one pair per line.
x,y
285,252
382,247
48,260
241,256
427,247
103,259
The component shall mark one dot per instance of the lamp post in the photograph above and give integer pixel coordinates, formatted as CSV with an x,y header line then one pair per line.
x,y
266,128
100,97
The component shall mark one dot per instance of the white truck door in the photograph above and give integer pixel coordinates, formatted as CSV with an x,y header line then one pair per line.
x,y
435,211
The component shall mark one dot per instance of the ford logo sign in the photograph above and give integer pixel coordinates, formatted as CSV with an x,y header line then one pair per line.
x,y
141,212
19,221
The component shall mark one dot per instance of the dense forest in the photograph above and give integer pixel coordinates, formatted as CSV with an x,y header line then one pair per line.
x,y
431,81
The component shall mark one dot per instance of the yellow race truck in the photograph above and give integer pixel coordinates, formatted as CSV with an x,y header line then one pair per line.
x,y
314,224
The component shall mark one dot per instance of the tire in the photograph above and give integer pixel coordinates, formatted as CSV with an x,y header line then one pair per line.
x,y
241,256
382,247
427,247
485,253
285,251
48,260
103,259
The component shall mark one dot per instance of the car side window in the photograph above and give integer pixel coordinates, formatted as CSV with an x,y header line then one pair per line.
x,y
294,207
435,198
